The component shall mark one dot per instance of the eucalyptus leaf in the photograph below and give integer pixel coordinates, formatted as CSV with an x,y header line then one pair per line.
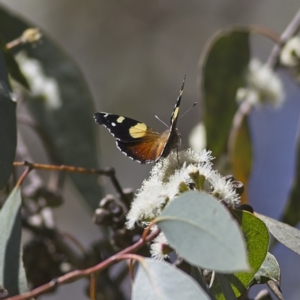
x,y
222,69
12,273
269,270
257,239
65,120
204,233
8,129
284,233
158,280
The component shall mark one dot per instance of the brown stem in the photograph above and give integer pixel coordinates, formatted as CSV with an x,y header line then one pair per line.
x,y
124,254
23,176
148,228
15,43
110,172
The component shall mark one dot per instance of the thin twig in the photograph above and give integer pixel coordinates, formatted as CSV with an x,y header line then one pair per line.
x,y
148,228
110,172
290,31
15,43
73,239
30,35
23,176
124,254
62,168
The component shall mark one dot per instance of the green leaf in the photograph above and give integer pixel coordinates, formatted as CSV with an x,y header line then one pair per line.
x,y
12,273
8,129
204,233
257,240
222,69
241,155
67,129
284,233
158,280
269,270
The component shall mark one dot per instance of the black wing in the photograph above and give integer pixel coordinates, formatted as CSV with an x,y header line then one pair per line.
x,y
124,129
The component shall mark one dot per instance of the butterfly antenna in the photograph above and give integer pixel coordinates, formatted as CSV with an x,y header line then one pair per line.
x,y
188,109
161,120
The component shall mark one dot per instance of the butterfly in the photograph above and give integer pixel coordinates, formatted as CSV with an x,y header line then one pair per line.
x,y
138,141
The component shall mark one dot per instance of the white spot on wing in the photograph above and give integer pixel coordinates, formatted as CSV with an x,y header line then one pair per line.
x,y
113,124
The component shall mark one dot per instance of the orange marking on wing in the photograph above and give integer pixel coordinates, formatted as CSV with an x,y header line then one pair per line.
x,y
149,148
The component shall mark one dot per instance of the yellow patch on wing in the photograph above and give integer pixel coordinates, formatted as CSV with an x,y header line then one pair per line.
x,y
138,131
120,119
175,113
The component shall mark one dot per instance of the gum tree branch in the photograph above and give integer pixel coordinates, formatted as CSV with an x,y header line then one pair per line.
x,y
69,277
110,172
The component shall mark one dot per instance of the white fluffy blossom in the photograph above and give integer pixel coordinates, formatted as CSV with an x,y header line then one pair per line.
x,y
262,86
40,84
197,138
290,53
172,175
223,189
159,246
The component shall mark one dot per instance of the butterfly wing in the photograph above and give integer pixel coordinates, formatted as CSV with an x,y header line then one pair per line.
x,y
148,150
122,128
175,112
173,135
135,139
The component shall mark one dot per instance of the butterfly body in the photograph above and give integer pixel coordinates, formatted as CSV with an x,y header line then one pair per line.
x,y
138,141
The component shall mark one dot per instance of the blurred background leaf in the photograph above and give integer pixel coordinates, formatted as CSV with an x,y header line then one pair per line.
x,y
8,131
68,128
241,155
222,67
